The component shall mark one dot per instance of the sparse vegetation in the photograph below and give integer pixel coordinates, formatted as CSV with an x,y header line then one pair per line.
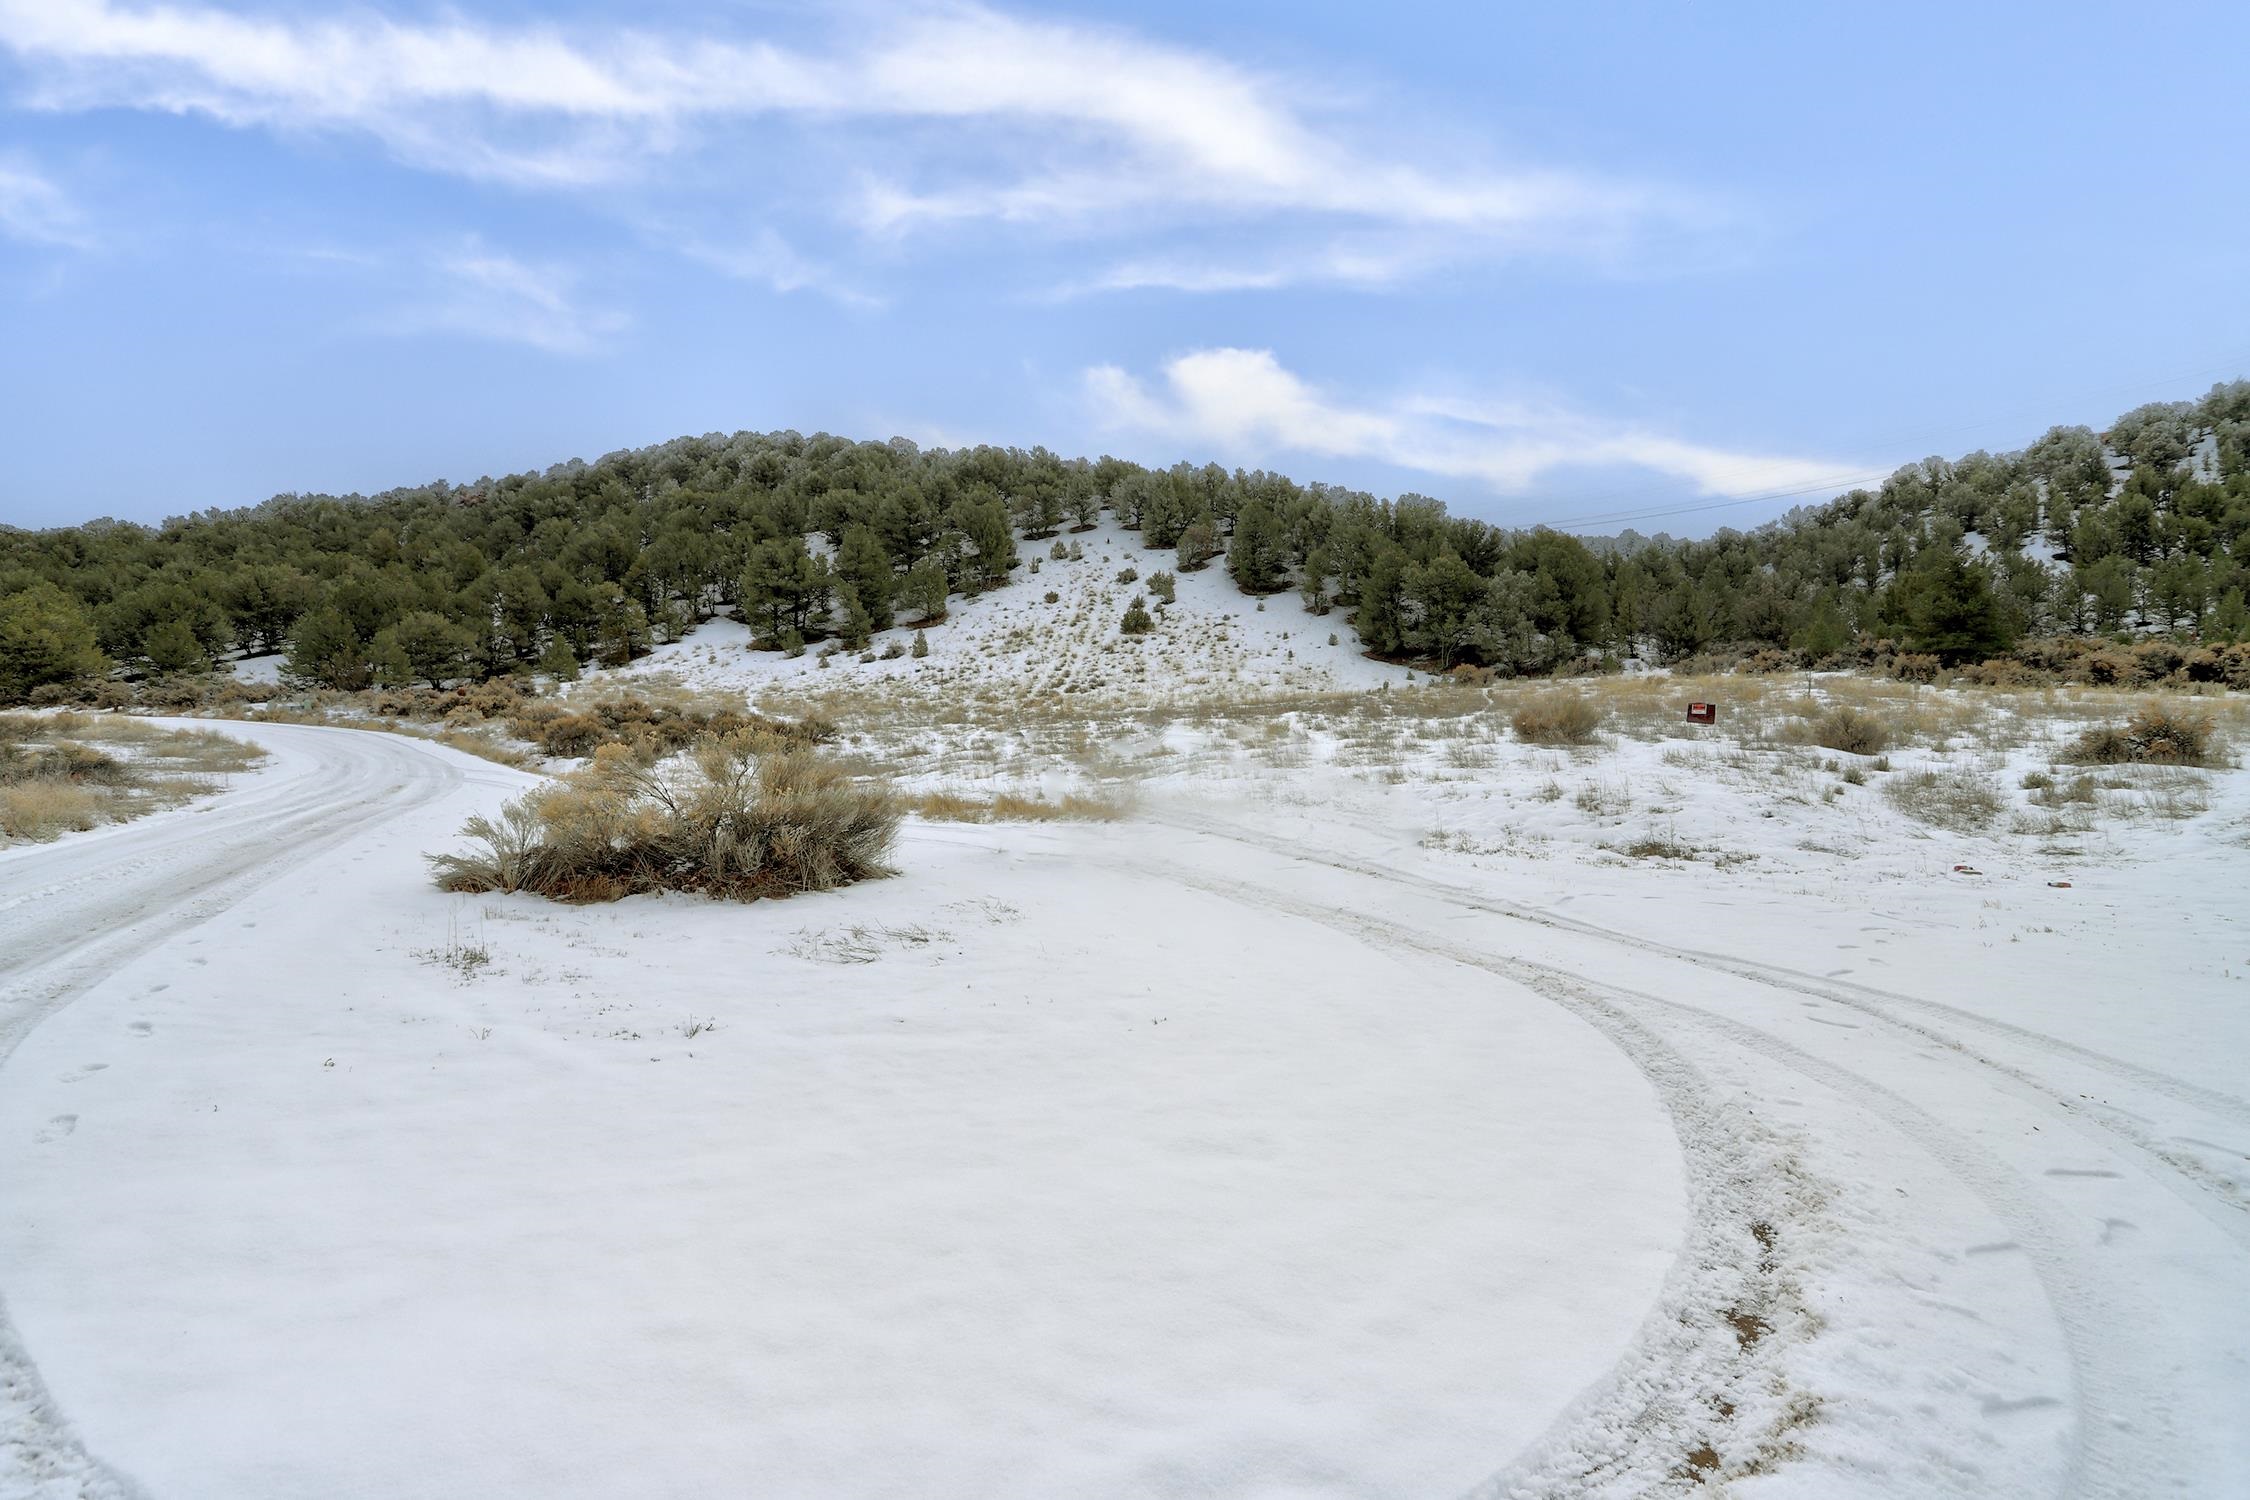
x,y
1958,799
52,782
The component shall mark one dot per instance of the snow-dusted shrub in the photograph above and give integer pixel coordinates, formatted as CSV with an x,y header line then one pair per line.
x,y
1137,620
745,817
2161,734
1557,719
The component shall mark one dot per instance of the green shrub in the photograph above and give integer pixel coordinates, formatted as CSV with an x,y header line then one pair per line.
x,y
1137,619
743,819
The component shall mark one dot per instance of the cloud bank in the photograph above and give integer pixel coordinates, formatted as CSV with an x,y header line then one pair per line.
x,y
1244,404
920,120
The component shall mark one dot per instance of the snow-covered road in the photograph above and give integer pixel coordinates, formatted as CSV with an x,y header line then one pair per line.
x,y
2000,1260
75,912
1216,1153
1032,1172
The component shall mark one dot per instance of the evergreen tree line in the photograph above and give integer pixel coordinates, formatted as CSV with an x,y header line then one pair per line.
x,y
2141,528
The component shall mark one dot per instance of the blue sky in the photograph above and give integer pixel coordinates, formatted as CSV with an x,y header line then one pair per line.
x,y
1677,263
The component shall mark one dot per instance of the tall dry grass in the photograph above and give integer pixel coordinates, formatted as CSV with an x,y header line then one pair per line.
x,y
53,782
1014,807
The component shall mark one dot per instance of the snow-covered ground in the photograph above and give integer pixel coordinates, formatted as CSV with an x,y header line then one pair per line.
x,y
1383,1107
1010,642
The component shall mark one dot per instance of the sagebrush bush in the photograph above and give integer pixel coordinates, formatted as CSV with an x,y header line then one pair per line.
x,y
1852,731
744,817
2163,735
1558,719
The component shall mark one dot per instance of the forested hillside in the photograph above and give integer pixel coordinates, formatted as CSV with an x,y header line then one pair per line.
x,y
2140,530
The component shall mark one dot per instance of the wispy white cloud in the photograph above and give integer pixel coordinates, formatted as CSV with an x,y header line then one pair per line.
x,y
766,258
1246,405
35,210
484,294
941,116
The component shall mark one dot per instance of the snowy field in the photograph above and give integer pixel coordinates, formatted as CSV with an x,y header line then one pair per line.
x,y
1380,1106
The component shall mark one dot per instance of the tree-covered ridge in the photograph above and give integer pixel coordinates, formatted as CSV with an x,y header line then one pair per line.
x,y
2140,529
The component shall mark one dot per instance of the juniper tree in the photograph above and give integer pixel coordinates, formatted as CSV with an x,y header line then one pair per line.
x,y
558,661
45,637
1199,543
923,591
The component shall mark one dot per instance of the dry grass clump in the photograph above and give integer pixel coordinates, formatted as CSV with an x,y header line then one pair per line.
x,y
1963,801
743,818
1851,730
2160,734
36,811
1012,807
50,784
1558,719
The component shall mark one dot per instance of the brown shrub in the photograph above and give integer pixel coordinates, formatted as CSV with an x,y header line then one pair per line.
x,y
2163,735
2103,668
1852,731
741,821
1914,666
1771,659
2154,661
1558,719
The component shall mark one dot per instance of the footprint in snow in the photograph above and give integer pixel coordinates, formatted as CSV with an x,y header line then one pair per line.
x,y
83,1072
140,1028
56,1129
1995,1406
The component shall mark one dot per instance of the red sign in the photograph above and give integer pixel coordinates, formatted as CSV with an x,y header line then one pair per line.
x,y
1703,713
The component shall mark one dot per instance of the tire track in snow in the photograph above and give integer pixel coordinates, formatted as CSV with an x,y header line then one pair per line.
x,y
1702,1394
2213,1194
119,894
1841,992
2125,1438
